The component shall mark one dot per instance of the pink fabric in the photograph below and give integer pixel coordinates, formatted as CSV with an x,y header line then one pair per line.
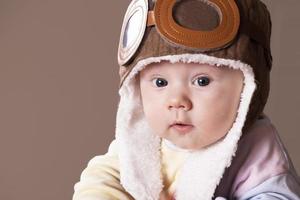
x,y
264,154
260,156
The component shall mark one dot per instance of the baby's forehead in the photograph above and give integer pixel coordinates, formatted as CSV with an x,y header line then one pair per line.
x,y
180,66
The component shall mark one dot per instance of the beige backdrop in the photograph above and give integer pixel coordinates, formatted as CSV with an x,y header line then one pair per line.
x,y
59,81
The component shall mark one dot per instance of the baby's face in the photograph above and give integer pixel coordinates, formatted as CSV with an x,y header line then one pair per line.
x,y
192,105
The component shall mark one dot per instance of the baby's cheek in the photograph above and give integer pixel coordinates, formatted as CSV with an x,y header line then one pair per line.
x,y
153,118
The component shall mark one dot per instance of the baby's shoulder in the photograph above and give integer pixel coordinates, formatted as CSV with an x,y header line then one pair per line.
x,y
260,156
261,159
261,147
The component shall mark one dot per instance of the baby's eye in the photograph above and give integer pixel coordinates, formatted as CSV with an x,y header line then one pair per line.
x,y
202,81
160,82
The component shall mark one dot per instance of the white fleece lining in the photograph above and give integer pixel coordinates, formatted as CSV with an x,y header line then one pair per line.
x,y
139,156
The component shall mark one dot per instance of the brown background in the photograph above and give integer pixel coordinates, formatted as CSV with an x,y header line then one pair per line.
x,y
59,82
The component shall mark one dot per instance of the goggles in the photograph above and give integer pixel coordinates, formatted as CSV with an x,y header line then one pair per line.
x,y
202,25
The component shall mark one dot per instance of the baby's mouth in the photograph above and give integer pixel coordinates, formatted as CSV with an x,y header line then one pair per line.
x,y
181,127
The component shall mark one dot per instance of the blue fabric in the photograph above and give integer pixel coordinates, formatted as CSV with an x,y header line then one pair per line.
x,y
281,187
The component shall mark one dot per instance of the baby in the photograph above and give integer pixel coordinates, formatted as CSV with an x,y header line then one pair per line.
x,y
190,122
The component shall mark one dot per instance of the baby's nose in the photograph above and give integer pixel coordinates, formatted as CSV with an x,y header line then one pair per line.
x,y
179,101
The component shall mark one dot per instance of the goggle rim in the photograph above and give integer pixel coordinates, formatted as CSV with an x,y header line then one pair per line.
x,y
196,39
126,53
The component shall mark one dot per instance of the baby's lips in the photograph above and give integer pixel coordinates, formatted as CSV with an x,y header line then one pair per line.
x,y
185,123
182,129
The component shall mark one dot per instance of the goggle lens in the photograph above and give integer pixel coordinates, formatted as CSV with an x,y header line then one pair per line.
x,y
196,15
132,29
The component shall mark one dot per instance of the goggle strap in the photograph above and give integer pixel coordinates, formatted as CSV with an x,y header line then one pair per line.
x,y
150,18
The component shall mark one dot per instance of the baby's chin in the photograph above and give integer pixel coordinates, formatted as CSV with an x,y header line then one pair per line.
x,y
185,146
191,147
192,144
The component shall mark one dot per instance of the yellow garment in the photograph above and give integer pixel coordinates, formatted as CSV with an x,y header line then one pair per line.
x,y
101,178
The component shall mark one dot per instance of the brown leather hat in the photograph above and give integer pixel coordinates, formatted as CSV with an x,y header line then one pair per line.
x,y
241,33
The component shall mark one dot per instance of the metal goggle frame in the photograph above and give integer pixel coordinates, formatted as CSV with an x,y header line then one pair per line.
x,y
138,17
